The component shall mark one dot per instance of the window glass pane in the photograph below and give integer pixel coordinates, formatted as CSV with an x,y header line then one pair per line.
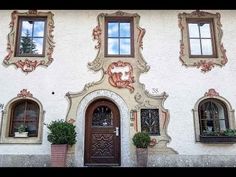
x,y
113,30
39,28
206,47
150,121
193,30
222,125
31,115
124,29
205,30
32,128
113,46
25,45
37,46
26,29
19,112
102,116
125,46
195,47
209,125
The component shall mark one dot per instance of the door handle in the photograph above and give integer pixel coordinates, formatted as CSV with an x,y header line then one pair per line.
x,y
117,131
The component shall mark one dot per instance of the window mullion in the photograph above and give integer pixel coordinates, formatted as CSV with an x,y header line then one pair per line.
x,y
32,37
200,38
25,112
119,38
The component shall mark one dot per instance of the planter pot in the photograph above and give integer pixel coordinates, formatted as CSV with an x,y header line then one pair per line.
x,y
21,134
218,139
142,157
58,155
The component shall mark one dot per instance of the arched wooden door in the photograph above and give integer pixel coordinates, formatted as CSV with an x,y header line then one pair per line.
x,y
102,134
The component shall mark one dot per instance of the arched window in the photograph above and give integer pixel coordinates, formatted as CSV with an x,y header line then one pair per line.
x,y
22,111
213,116
213,119
25,112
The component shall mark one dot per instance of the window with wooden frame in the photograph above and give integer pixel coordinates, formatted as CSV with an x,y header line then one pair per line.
x,y
30,41
213,117
214,120
201,40
119,40
22,120
31,37
26,113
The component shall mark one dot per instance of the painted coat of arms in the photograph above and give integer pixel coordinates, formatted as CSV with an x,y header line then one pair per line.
x,y
121,75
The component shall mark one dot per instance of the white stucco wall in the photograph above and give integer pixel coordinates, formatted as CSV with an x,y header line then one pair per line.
x,y
69,72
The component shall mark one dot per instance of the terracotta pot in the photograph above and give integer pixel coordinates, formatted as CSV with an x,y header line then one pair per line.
x,y
58,155
142,157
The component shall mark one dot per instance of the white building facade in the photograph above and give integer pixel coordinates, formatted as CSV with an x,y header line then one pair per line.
x,y
168,72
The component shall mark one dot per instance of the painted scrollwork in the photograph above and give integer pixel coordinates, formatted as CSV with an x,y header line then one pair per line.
x,y
206,64
28,64
142,102
141,33
98,34
119,77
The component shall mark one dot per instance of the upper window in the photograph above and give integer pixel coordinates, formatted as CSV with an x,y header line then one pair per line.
x,y
31,37
30,41
201,38
119,37
214,119
22,120
201,44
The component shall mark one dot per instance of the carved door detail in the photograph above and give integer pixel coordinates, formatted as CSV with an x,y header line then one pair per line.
x,y
102,136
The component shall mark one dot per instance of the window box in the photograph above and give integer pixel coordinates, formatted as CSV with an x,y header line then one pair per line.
x,y
21,134
218,139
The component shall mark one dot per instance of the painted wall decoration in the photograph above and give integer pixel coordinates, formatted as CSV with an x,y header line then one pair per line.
x,y
24,93
25,49
206,62
121,75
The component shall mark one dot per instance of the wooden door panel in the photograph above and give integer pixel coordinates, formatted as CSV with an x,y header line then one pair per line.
x,y
102,146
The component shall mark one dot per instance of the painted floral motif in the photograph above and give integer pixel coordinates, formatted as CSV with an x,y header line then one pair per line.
x,y
97,31
204,65
24,93
211,93
27,65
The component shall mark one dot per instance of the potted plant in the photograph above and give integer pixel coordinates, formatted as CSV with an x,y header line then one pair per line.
x,y
61,135
141,140
21,131
226,136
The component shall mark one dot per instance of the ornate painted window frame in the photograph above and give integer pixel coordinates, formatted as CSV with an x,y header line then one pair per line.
x,y
102,60
215,95
6,118
28,64
206,64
